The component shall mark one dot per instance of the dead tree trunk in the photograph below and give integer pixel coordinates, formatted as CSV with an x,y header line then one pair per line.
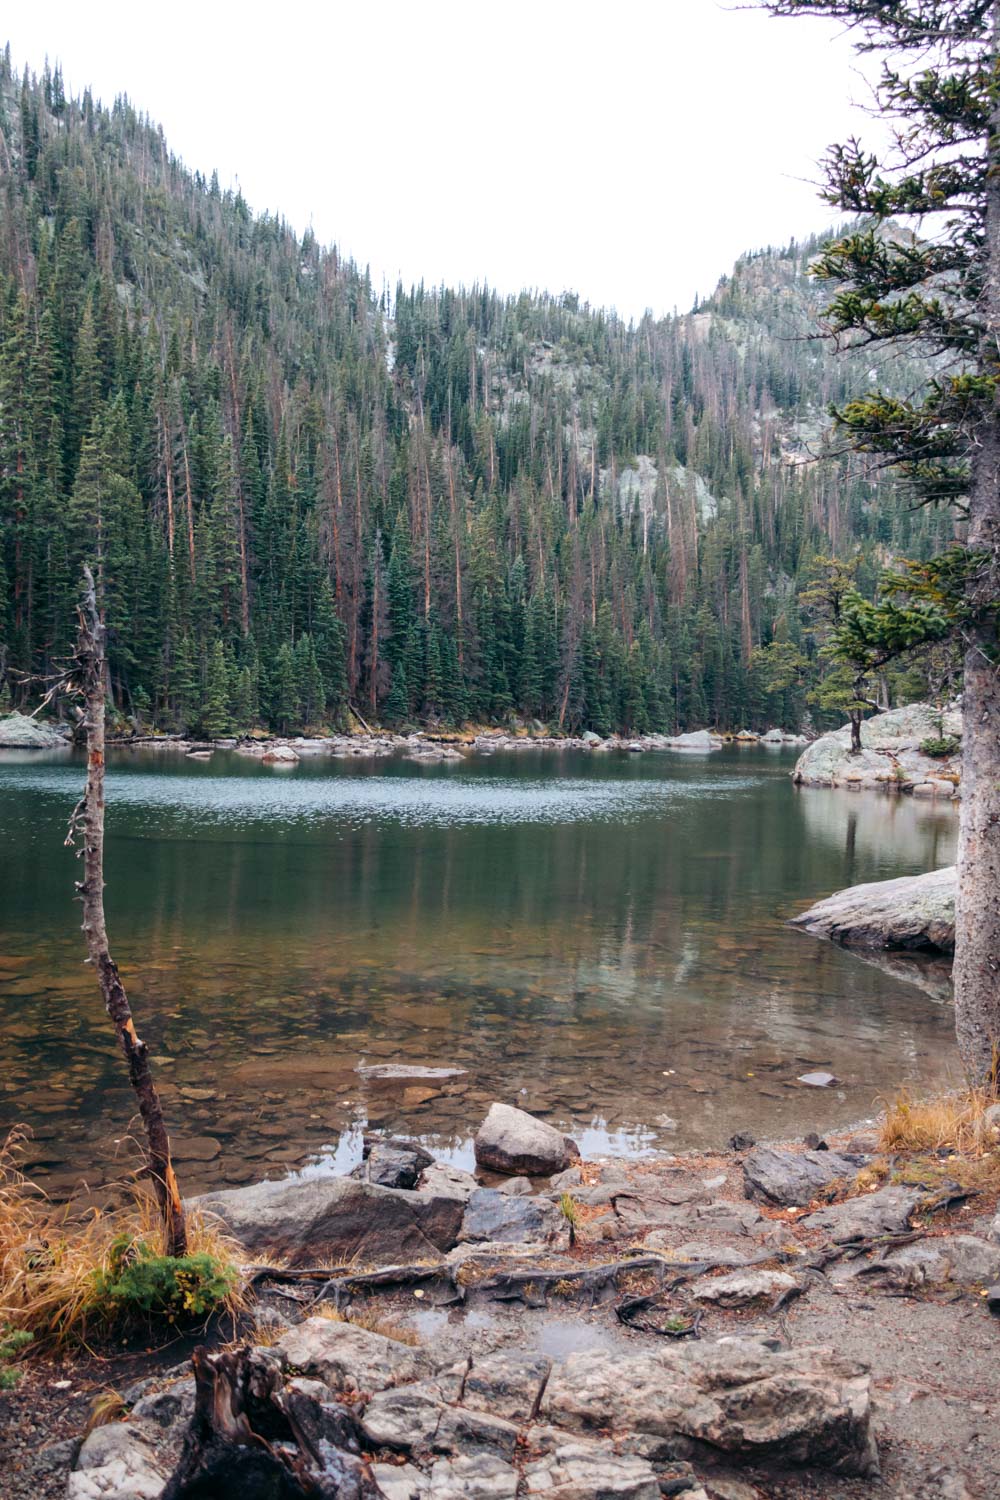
x,y
88,819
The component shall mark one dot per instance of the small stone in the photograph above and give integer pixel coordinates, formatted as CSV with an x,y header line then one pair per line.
x,y
993,1299
815,1142
512,1141
741,1288
742,1141
817,1080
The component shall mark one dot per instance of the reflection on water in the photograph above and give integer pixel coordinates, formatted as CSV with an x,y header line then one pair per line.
x,y
600,940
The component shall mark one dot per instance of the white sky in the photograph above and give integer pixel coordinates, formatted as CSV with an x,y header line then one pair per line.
x,y
627,151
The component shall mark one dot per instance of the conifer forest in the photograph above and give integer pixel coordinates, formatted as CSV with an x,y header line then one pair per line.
x,y
304,495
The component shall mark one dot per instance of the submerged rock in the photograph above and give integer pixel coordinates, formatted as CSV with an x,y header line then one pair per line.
x,y
915,911
511,1141
338,1218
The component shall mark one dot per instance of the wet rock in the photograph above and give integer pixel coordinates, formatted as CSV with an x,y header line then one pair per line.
x,y
962,1258
817,1080
409,1070
577,1468
347,1358
504,1219
194,1148
337,1218
743,1288
742,1141
916,911
392,1163
794,1178
886,1211
509,1140
118,1461
802,1406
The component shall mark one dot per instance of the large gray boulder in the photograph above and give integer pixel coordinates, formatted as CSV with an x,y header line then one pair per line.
x,y
17,732
794,1178
890,751
802,1406
915,911
511,1141
326,1219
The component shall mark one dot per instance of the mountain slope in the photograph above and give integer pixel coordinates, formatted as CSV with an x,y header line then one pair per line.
x,y
458,505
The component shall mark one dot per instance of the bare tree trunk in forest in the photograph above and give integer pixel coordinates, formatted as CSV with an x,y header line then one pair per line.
x,y
977,916
88,818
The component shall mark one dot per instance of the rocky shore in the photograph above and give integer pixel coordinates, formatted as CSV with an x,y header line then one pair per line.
x,y
787,1321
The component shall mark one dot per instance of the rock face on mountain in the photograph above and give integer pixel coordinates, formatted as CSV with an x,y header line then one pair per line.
x,y
20,733
916,911
890,754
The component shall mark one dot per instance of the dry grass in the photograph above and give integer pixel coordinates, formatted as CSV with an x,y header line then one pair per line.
x,y
954,1121
52,1264
388,1327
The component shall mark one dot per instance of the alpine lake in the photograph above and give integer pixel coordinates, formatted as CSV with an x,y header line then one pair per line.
x,y
600,939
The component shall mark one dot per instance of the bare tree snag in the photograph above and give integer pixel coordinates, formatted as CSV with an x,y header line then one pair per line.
x,y
88,819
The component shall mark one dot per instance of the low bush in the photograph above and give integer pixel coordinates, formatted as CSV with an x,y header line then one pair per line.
x,y
12,1341
941,747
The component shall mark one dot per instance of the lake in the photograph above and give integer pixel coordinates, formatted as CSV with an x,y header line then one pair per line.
x,y
600,939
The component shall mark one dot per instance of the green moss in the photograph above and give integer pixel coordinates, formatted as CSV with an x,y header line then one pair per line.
x,y
12,1341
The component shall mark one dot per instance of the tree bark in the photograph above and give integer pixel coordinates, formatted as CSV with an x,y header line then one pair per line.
x,y
89,819
977,915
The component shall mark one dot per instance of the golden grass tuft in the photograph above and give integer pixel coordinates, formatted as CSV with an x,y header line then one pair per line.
x,y
53,1264
954,1121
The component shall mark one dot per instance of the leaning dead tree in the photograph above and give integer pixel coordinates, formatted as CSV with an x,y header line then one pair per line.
x,y
87,821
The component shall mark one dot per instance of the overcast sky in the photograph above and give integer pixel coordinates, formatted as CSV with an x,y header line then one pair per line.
x,y
626,151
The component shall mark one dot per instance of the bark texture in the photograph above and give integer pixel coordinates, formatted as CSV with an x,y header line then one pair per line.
x,y
977,916
88,820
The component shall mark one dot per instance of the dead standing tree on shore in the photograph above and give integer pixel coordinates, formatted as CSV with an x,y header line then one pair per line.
x,y
88,820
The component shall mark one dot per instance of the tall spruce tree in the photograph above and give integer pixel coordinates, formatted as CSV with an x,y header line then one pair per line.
x,y
937,286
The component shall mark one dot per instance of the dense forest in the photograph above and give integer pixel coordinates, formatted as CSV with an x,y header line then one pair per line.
x,y
304,496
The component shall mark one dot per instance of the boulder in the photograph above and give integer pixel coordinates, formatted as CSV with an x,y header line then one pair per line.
x,y
697,739
506,1219
886,1211
511,1141
17,732
326,1219
279,755
800,1406
890,750
794,1178
915,911
392,1163
119,1462
348,1358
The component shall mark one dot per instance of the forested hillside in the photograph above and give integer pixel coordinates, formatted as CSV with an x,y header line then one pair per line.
x,y
301,496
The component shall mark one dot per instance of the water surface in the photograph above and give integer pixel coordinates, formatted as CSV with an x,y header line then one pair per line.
x,y
598,938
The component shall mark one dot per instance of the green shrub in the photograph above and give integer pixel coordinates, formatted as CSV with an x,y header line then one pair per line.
x,y
140,1285
946,744
12,1341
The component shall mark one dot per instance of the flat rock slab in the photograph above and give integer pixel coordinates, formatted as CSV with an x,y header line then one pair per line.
x,y
914,912
794,1178
508,1219
326,1219
886,1211
804,1406
512,1141
347,1358
578,1469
